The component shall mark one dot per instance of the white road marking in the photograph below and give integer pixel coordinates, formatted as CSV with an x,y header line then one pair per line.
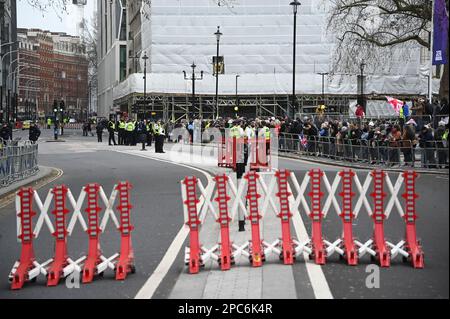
x,y
316,276
152,283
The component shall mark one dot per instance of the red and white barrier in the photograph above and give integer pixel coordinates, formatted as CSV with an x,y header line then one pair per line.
x,y
61,265
270,192
231,151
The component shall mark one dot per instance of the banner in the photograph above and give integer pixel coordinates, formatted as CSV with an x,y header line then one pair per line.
x,y
440,33
396,104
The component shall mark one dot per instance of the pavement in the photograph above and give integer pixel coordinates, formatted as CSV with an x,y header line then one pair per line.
x,y
160,238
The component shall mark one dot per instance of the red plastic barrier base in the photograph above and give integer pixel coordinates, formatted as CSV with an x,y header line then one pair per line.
x,y
285,215
224,220
55,270
256,251
379,242
125,263
318,246
413,246
93,258
350,251
193,223
26,235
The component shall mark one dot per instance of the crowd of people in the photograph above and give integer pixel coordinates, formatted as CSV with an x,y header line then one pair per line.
x,y
373,141
130,132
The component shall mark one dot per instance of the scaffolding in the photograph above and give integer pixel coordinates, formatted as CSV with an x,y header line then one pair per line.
x,y
174,107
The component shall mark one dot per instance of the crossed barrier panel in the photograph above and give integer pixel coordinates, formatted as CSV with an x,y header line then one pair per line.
x,y
231,151
282,194
94,263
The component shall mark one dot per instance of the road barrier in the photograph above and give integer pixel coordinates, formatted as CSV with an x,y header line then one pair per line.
x,y
18,160
233,150
260,193
27,268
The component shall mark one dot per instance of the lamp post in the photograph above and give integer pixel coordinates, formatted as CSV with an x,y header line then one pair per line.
x,y
193,78
145,58
361,67
295,4
323,74
236,109
218,34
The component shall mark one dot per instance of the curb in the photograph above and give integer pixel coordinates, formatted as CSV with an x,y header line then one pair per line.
x,y
37,181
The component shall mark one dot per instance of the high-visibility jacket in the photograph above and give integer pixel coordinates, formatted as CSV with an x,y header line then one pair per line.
x,y
129,127
159,129
122,125
445,136
49,121
111,125
266,133
235,131
402,115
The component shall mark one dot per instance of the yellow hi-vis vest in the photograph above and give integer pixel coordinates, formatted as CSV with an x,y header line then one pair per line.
x,y
130,127
49,121
266,133
234,131
122,125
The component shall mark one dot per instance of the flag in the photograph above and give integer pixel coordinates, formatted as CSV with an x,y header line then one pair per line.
x,y
303,140
440,32
396,104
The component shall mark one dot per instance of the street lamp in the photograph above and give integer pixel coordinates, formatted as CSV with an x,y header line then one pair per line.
x,y
145,58
361,67
323,74
236,109
193,78
218,34
295,4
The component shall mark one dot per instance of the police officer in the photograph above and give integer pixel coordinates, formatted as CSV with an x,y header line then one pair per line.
x,y
141,129
111,130
99,130
49,123
149,126
122,125
129,129
160,134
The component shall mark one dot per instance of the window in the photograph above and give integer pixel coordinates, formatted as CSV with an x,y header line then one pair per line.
x,y
123,62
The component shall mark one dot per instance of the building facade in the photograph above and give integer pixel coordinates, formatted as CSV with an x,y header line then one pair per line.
x,y
112,51
8,56
257,46
54,67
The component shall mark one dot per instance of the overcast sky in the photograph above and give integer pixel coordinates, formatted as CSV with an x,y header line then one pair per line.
x,y
29,17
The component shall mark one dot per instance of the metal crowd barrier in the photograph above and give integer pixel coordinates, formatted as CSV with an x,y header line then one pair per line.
x,y
18,160
431,154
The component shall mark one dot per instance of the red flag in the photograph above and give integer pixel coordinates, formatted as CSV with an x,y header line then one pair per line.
x,y
396,104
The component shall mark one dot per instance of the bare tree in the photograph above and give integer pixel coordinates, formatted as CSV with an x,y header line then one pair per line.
x,y
374,31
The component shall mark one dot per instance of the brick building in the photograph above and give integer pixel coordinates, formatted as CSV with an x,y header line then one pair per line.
x,y
53,67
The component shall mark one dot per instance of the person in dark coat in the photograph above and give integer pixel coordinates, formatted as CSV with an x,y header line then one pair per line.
x,y
4,132
34,133
99,132
141,129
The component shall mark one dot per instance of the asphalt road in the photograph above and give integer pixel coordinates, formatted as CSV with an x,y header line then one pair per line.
x,y
158,217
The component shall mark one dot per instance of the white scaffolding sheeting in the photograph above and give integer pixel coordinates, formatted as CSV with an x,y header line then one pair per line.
x,y
257,45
